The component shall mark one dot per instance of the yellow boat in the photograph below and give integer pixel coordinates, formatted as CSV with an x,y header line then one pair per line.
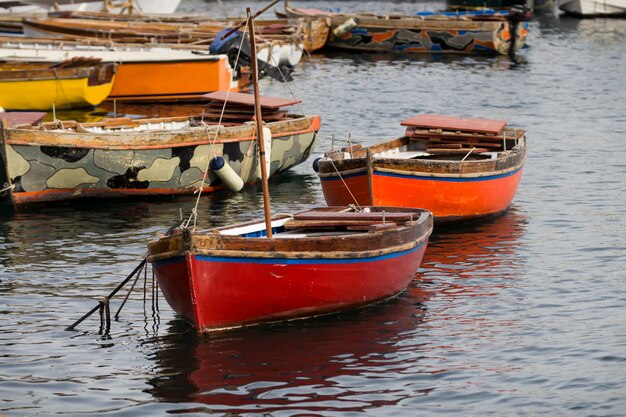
x,y
68,85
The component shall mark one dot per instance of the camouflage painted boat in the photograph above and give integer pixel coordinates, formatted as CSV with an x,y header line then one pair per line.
x,y
471,33
122,157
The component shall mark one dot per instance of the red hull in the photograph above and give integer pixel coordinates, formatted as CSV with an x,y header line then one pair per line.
x,y
449,199
222,293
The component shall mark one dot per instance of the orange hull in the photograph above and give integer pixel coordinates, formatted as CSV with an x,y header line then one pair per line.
x,y
449,199
171,80
459,169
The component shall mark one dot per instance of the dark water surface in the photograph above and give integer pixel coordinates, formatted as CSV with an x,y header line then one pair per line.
x,y
523,315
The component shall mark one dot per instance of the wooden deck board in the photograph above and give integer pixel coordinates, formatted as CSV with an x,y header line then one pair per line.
x,y
434,121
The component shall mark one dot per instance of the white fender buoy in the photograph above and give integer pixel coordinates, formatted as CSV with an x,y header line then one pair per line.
x,y
228,176
346,26
267,141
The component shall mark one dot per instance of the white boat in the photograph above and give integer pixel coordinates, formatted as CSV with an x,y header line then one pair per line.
x,y
593,7
42,6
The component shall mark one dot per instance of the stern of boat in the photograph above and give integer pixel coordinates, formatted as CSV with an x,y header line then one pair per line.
x,y
173,268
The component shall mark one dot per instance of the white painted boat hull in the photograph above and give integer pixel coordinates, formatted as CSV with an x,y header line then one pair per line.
x,y
42,6
593,7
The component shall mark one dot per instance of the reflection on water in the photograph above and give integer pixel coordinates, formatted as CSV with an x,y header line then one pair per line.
x,y
498,62
269,369
380,356
96,230
521,315
486,250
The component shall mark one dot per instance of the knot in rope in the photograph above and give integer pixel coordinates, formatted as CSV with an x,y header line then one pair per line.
x,y
6,188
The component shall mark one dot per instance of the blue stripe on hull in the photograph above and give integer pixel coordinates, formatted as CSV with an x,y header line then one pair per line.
x,y
290,261
423,177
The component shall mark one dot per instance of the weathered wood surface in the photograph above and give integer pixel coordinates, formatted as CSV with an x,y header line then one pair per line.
x,y
436,121
312,34
22,117
266,102
380,240
96,74
438,163
69,134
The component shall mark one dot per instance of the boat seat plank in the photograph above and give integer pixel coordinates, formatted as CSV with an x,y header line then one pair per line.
x,y
401,154
462,151
373,228
18,118
363,216
434,121
353,225
248,99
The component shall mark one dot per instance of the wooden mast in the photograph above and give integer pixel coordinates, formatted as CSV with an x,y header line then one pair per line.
x,y
259,125
257,109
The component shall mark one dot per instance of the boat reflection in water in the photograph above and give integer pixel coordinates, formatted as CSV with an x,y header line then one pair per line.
x,y
390,354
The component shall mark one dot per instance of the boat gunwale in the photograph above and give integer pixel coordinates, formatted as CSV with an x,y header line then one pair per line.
x,y
302,255
159,138
57,74
412,166
421,228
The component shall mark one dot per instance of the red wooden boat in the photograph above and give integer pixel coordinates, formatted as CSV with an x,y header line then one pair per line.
x,y
318,261
289,266
459,169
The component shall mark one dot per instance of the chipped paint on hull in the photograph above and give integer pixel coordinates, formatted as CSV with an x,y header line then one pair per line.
x,y
494,38
48,172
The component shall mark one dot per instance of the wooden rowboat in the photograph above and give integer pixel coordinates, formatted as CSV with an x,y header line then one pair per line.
x,y
367,32
459,169
318,261
314,31
67,85
147,157
45,6
286,45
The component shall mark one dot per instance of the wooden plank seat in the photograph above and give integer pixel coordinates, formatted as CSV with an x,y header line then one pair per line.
x,y
371,221
355,216
435,121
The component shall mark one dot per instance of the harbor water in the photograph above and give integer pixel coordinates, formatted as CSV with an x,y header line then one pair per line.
x,y
523,315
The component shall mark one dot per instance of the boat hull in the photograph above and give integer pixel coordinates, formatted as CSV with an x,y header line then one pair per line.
x,y
47,89
144,73
449,199
54,166
142,81
278,289
413,34
220,282
590,8
483,38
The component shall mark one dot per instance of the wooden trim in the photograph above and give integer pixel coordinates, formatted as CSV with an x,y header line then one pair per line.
x,y
5,177
309,255
370,174
341,172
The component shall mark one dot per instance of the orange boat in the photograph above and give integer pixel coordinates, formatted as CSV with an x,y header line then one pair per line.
x,y
459,169
144,73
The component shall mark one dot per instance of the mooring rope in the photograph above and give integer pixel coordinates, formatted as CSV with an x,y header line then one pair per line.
x,y
356,203
194,211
